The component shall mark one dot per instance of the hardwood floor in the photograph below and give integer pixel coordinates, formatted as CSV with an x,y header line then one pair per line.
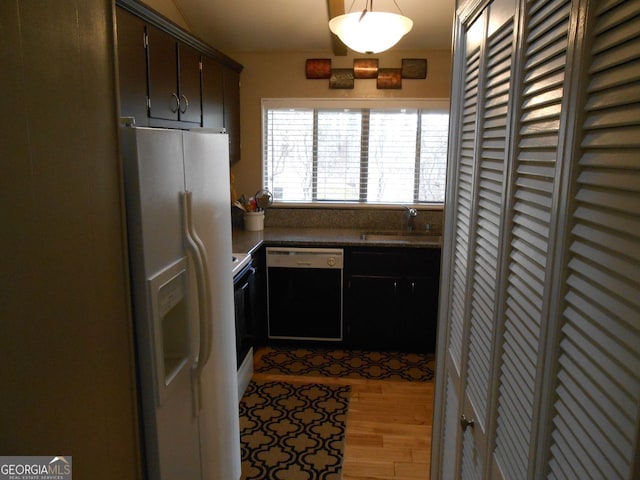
x,y
388,435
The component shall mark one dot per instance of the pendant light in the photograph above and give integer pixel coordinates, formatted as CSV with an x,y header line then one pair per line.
x,y
368,31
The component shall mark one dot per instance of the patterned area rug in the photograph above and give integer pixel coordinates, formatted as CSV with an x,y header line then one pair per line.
x,y
292,432
360,364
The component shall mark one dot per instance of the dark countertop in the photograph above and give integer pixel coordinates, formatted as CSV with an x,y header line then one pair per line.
x,y
247,242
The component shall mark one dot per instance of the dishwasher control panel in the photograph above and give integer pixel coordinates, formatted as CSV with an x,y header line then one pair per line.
x,y
289,257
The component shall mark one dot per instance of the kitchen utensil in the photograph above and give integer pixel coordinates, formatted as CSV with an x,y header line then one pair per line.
x,y
263,198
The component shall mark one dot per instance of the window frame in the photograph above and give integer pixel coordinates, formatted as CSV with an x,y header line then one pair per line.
x,y
435,105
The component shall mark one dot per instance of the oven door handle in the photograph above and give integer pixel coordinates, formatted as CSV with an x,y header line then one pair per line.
x,y
245,281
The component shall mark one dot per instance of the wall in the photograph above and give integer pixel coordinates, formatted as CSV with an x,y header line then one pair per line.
x,y
67,371
273,75
168,9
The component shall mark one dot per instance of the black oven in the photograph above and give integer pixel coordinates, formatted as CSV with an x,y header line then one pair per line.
x,y
244,292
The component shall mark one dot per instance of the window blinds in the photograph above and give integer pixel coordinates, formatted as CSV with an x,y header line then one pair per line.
x,y
384,154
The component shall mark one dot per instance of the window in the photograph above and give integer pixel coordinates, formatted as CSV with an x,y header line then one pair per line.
x,y
357,151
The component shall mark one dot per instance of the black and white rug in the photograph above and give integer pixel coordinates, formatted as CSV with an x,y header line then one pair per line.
x,y
358,364
293,431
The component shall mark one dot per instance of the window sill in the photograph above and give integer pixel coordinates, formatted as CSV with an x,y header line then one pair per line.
x,y
358,206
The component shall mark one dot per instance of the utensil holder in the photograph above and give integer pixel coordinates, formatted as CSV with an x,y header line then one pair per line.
x,y
254,221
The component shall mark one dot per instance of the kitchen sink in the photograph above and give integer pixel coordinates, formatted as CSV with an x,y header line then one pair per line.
x,y
402,236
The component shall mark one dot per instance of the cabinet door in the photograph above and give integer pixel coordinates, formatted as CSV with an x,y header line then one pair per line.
x,y
231,80
132,66
212,94
162,61
190,109
373,311
421,308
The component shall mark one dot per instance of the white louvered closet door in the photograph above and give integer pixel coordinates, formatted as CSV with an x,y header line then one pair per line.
x,y
597,397
530,204
479,173
462,141
486,226
539,338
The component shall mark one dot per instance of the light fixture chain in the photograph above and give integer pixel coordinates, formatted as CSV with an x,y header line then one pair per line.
x,y
370,3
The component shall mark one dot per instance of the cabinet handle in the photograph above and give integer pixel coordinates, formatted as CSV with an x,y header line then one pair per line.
x,y
413,289
395,289
186,103
177,103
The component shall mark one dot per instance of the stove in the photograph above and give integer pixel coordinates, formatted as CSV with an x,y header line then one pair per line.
x,y
239,261
243,320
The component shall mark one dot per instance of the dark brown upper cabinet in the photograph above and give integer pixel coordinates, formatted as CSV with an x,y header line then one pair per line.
x,y
169,78
221,102
231,81
174,78
132,66
212,94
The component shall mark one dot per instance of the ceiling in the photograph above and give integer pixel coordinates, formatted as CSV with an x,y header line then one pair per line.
x,y
302,25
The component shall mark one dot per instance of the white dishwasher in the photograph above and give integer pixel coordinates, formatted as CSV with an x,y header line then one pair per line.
x,y
304,292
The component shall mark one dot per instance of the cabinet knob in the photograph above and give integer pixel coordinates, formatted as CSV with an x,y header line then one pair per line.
x,y
174,108
185,102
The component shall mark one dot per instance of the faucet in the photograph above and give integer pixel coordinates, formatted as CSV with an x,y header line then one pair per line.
x,y
412,213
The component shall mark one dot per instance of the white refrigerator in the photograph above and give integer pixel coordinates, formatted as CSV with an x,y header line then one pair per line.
x,y
179,228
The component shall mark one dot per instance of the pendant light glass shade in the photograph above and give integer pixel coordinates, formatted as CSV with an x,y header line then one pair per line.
x,y
371,32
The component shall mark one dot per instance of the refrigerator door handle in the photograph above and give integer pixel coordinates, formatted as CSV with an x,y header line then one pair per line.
x,y
196,248
207,319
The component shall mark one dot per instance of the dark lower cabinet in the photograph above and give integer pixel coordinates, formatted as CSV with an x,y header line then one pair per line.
x,y
422,312
391,298
370,309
